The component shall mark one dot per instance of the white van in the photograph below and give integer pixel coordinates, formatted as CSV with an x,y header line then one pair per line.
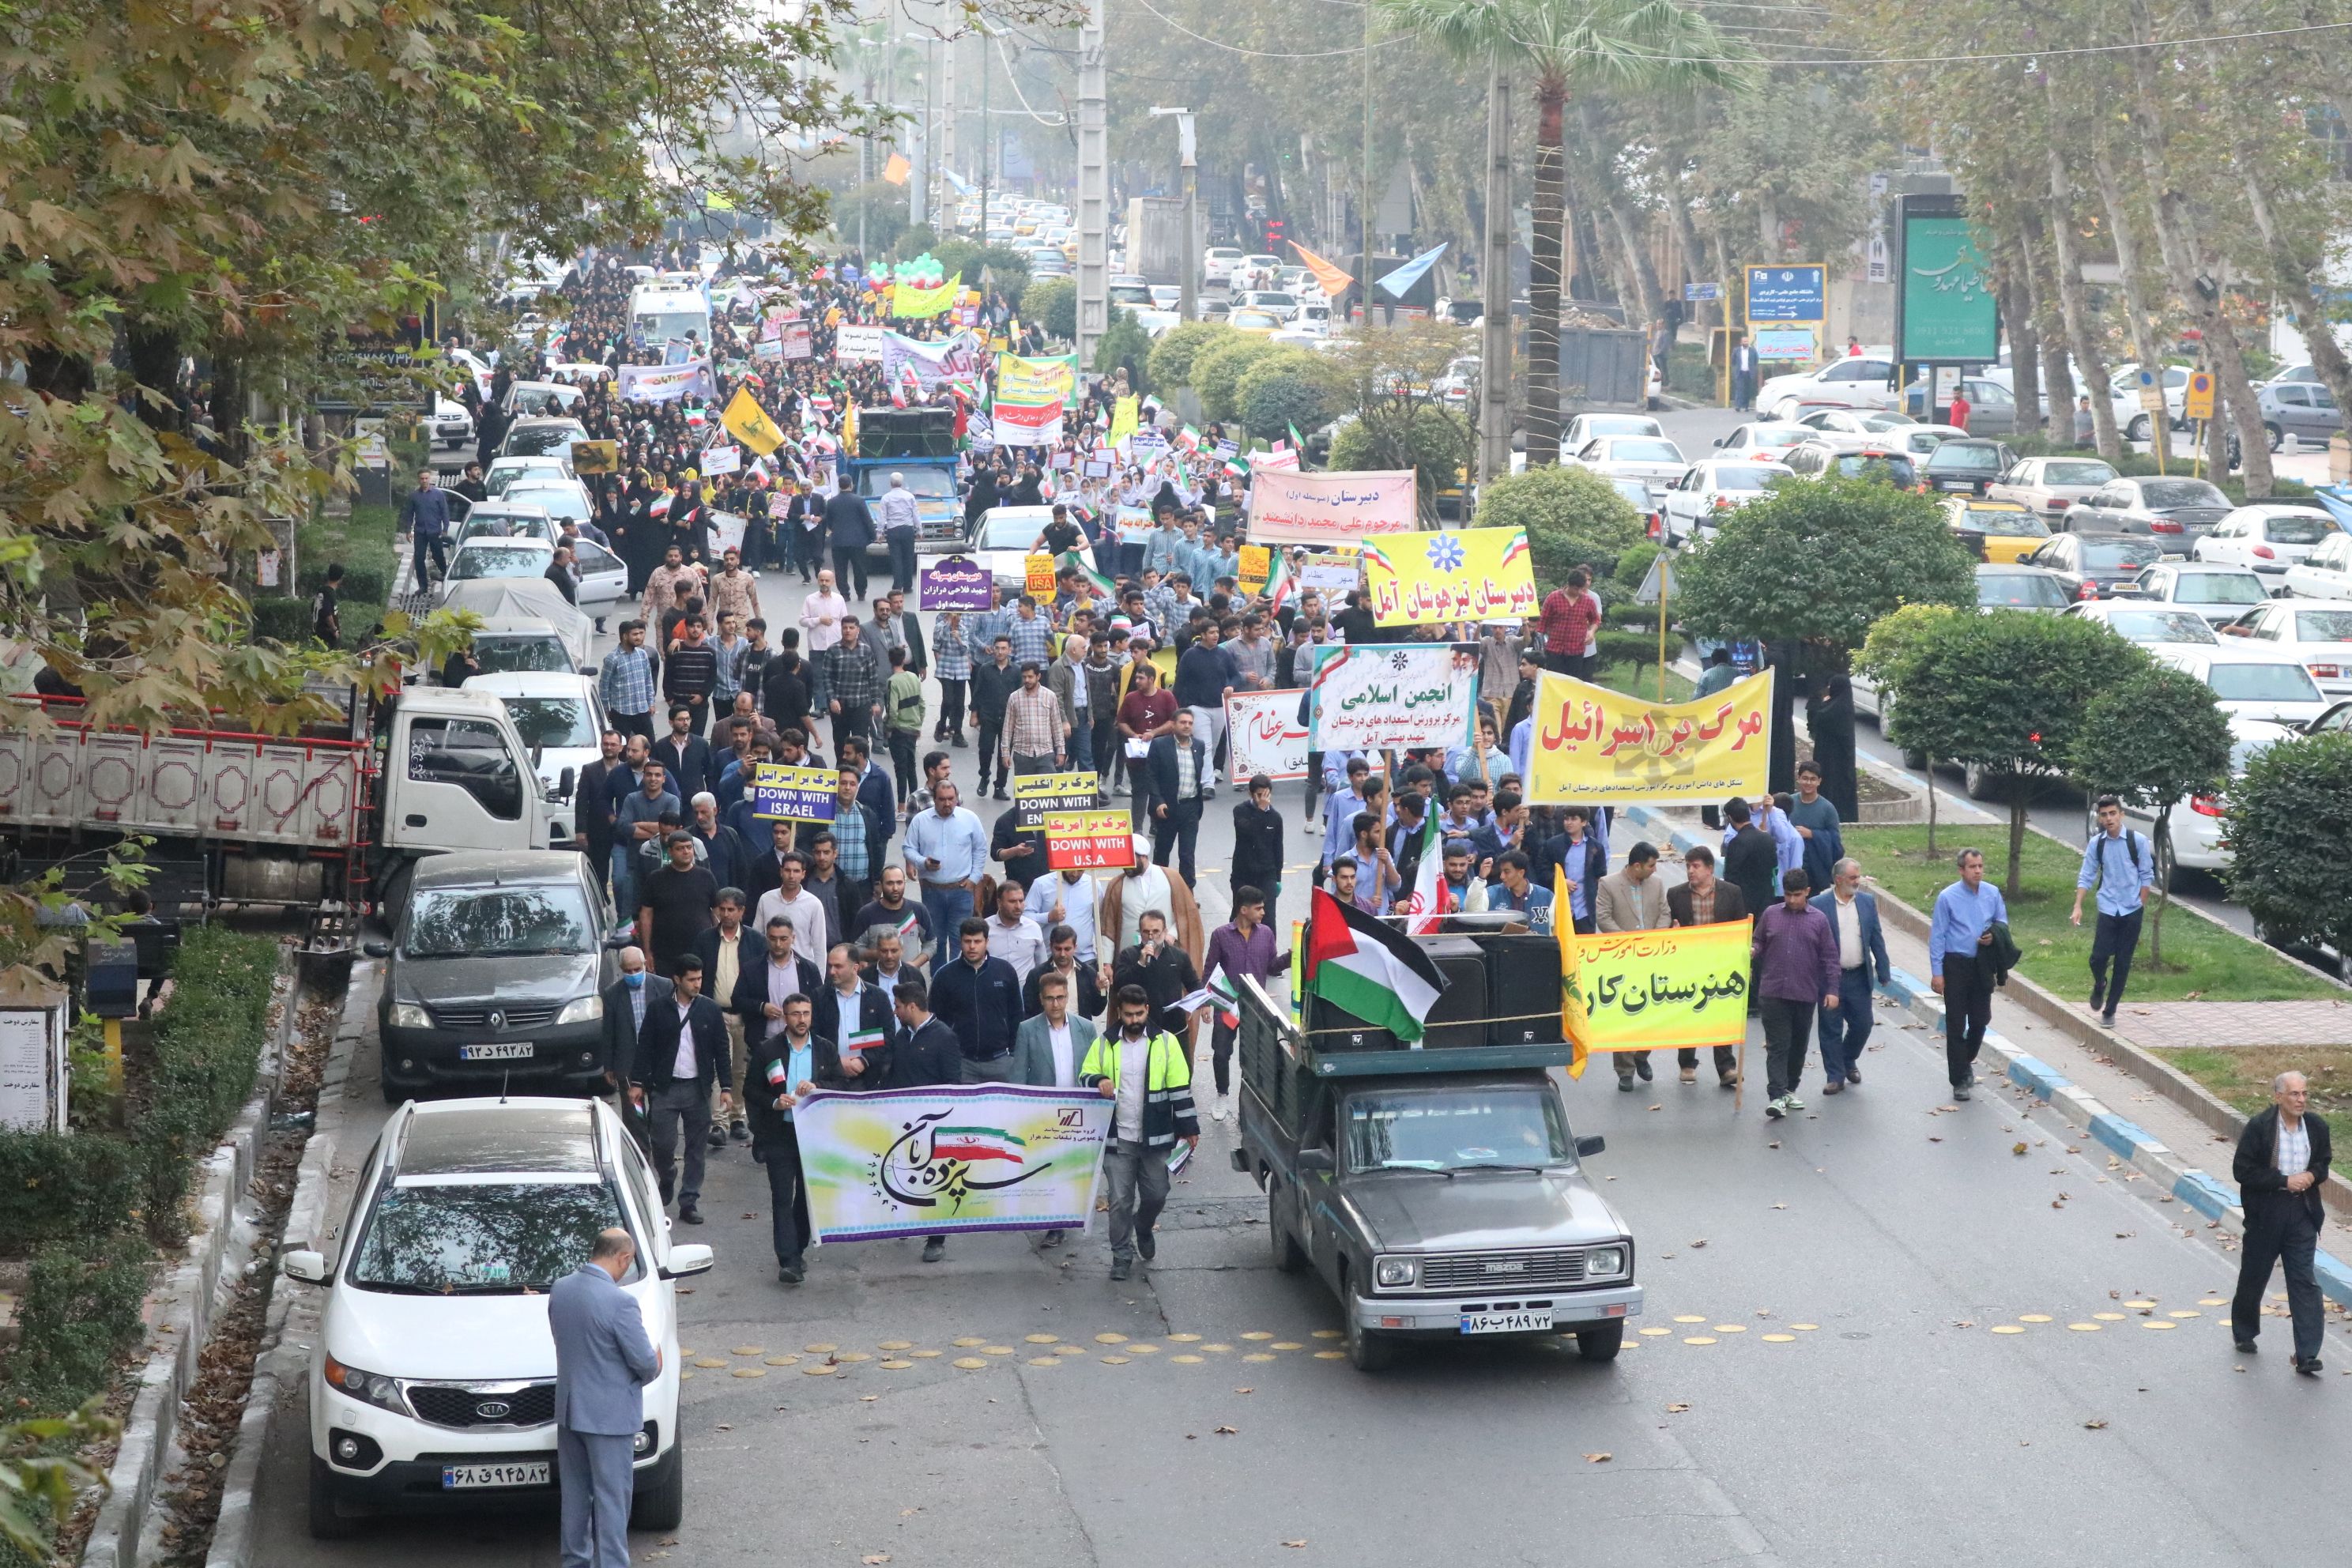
x,y
660,314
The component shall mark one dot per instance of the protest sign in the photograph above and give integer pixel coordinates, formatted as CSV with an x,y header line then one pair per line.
x,y
1036,794
1330,575
929,1162
1089,840
1400,694
1266,734
914,299
1291,508
1038,575
1257,567
1637,991
782,792
796,340
1097,467
954,582
1464,574
717,460
1589,743
664,382
860,345
1134,524
727,531
596,457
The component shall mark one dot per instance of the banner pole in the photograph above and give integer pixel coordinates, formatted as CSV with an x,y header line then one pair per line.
x,y
1665,579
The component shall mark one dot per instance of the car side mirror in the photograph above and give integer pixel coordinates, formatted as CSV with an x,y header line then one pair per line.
x,y
1720,439
308,1267
1588,1147
564,782
687,1259
376,949
1316,1159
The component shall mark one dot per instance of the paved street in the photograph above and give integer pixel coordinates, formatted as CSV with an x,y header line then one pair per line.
x,y
1819,1357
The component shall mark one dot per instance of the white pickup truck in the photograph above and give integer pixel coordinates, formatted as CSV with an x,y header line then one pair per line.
x,y
299,821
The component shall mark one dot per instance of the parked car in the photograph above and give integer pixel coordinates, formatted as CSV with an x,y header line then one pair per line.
x,y
1767,441
2096,568
2148,625
2050,485
1855,381
2326,572
535,399
1921,441
2319,634
1217,264
2220,594
2253,686
1652,459
2001,532
1992,407
2196,831
1847,428
2018,587
559,717
1273,301
497,965
2177,513
449,424
432,1376
535,437
2267,537
504,519
507,471
1585,428
2299,412
2125,380
1712,488
499,557
1811,460
1967,466
562,499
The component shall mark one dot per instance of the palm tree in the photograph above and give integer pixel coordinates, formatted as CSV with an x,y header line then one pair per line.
x,y
1644,46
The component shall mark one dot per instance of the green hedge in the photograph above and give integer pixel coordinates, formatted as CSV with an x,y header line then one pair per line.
x,y
286,620
368,582
207,1049
62,1186
81,1311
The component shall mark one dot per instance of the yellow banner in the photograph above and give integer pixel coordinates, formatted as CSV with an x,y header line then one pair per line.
x,y
1461,574
748,423
1034,383
1596,745
1125,414
1257,568
906,299
1643,989
596,457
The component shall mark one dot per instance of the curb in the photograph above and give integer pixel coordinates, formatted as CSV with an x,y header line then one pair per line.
x,y
281,1368
2179,1180
179,1312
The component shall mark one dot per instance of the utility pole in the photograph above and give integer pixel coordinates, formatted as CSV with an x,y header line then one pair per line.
x,y
919,180
948,109
1189,283
1494,284
1093,189
1366,197
987,132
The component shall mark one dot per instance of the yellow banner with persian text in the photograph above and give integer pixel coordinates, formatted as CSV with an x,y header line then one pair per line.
x,y
1644,990
1591,744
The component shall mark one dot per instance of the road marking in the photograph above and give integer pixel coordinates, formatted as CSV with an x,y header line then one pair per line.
x,y
2033,1317
1114,1361
2109,1317
1260,1355
1654,1333
895,1345
1288,1345
1699,1340
784,1361
1257,1334
894,1365
827,1350
1780,1339
1045,1361
749,1350
1730,1328
2085,1328
852,1356
2159,1323
964,1343
1041,1340
2008,1328
2184,1313
1099,1339
1688,1319
1188,1360
710,1363
750,1371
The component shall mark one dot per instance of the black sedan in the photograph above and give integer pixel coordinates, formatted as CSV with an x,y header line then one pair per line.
x,y
2095,568
2175,513
1968,465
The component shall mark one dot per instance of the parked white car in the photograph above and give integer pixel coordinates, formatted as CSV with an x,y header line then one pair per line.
x,y
1217,264
2150,625
1766,441
2326,572
1655,461
559,716
1855,381
507,471
433,1376
1582,429
2220,594
1711,489
2196,824
2319,634
2050,485
2267,537
2253,686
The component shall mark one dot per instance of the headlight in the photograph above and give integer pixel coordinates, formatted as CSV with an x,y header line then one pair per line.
x,y
370,1387
410,1016
581,1010
1603,1262
1394,1272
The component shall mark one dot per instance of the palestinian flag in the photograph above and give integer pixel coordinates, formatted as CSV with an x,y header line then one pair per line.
x,y
1369,969
1098,585
1227,1001
974,1145
1425,905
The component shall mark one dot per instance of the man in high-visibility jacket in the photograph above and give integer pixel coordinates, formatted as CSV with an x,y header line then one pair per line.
x,y
1148,1077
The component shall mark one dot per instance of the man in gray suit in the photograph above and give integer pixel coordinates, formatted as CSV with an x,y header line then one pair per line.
x,y
603,1362
1047,1049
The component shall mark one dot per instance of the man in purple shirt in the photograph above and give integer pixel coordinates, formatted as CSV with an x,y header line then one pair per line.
x,y
1244,945
1796,959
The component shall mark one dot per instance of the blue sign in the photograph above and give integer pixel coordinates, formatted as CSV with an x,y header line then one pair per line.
x,y
1787,293
1702,290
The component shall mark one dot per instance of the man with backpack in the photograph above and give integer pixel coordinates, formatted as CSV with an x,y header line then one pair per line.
x,y
2121,863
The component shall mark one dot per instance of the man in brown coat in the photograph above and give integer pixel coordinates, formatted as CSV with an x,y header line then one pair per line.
x,y
1632,899
1704,899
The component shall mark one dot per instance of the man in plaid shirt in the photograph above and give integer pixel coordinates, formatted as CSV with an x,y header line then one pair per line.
x,y
850,684
1032,634
626,682
954,669
853,836
1034,730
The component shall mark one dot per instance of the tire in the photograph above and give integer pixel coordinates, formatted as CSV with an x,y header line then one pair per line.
x,y
2277,436
327,1520
393,1093
1979,783
2137,430
1288,1257
1601,1343
660,1500
1915,761
1368,1351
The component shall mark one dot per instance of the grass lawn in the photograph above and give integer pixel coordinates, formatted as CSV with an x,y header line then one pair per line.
x,y
2243,1074
1642,682
2201,960
362,542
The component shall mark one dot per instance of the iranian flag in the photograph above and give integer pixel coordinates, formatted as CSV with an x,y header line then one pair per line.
x,y
660,507
1425,905
1283,584
974,1145
861,1040
1101,586
1369,969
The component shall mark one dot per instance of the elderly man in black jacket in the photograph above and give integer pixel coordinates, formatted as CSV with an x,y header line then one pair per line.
x,y
683,1030
2283,1158
625,1001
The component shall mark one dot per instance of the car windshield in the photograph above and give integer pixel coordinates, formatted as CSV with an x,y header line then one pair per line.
x,y
497,560
2262,683
2018,591
2090,474
2015,524
1896,471
526,921
551,720
1632,451
1776,435
2162,626
1130,294
1886,419
557,501
931,484
1613,424
660,326
1742,477
2180,492
484,523
530,440
1012,531
1455,1132
544,397
480,1237
2322,626
500,481
1963,454
515,653
2297,530
2113,554
2220,588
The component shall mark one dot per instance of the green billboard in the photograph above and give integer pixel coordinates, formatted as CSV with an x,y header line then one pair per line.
x,y
1948,311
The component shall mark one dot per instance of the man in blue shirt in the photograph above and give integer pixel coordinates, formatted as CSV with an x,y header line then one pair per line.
x,y
2122,865
947,850
1960,968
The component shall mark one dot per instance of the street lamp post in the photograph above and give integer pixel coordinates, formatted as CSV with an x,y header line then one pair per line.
x,y
1189,281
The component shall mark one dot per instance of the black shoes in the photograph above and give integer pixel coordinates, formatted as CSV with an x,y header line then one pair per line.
x,y
1121,1267
689,1215
2246,1347
789,1273
716,1138
2098,998
2106,1020
738,1131
1641,1070
1146,1245
935,1248
1053,1238
999,793
2308,1365
1959,1091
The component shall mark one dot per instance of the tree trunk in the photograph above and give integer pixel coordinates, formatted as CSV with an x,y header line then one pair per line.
x,y
2121,223
1929,770
2024,340
2162,850
2050,332
1494,285
1648,294
1710,314
1543,278
2076,311
2292,273
2021,795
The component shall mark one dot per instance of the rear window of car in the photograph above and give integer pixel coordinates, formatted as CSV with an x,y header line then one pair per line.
x,y
531,441
1897,471
2262,683
497,560
1964,454
2181,492
1624,451
1739,477
2076,473
2162,626
2107,555
2297,530
2018,591
2322,626
1612,424
2011,525
2220,588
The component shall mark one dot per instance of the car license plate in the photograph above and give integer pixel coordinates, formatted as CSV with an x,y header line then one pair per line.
x,y
462,1477
499,1051
1970,485
1505,1323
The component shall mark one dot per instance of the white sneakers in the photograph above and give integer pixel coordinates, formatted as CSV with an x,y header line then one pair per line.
x,y
1221,1107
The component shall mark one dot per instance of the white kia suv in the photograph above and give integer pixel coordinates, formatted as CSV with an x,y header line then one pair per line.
x,y
432,1381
